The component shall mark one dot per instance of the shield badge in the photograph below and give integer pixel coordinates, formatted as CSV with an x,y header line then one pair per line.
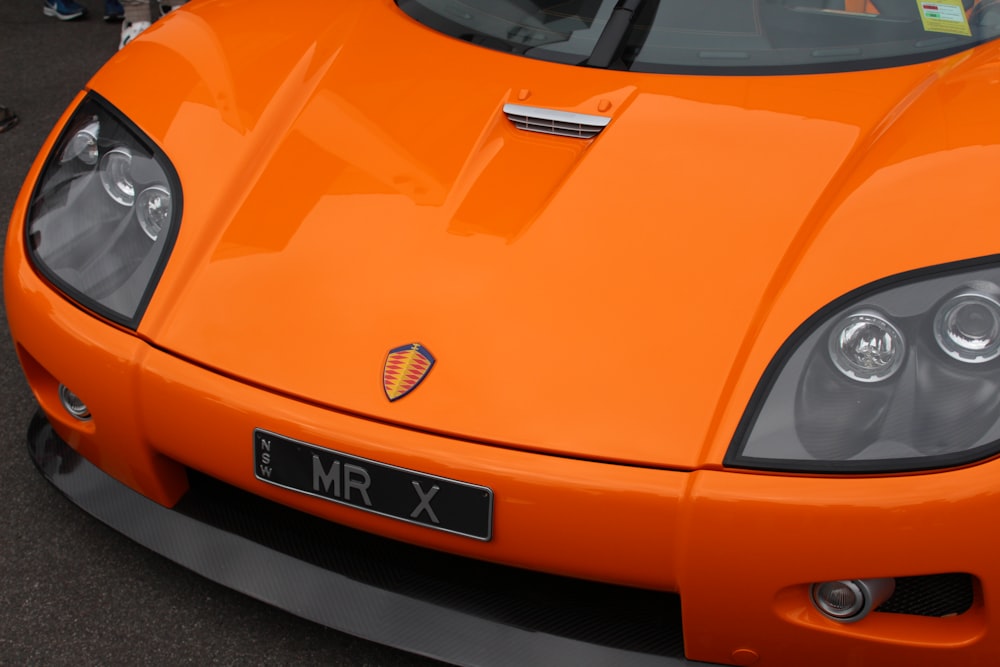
x,y
405,368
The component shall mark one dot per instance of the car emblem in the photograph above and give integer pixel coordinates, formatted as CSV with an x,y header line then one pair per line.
x,y
405,368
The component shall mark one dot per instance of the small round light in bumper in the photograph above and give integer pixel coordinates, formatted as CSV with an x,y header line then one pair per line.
x,y
850,600
72,404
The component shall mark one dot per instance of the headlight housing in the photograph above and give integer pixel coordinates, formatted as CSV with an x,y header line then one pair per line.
x,y
104,213
901,375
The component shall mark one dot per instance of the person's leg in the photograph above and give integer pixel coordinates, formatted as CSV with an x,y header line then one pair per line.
x,y
137,19
137,10
113,10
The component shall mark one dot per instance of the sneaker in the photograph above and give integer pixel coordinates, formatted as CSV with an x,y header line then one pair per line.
x,y
131,30
113,11
64,10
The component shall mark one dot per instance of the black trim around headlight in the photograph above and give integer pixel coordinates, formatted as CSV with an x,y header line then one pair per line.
x,y
84,231
810,415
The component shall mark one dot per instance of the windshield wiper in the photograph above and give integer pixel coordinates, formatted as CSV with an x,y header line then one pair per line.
x,y
612,40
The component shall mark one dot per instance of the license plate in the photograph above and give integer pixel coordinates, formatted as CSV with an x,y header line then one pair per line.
x,y
408,495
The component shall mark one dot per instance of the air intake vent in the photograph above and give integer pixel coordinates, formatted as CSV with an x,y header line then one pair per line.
x,y
932,595
551,121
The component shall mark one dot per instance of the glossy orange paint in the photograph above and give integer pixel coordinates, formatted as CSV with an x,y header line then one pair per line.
x,y
708,227
147,422
737,528
388,205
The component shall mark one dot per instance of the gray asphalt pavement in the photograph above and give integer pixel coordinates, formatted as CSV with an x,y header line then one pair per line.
x,y
72,591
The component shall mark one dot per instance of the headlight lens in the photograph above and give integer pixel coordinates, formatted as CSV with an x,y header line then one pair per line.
x,y
104,213
900,376
865,346
967,327
116,175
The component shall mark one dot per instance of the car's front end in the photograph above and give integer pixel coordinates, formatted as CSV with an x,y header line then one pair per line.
x,y
662,354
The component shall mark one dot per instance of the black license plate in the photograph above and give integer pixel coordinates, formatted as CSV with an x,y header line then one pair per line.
x,y
407,495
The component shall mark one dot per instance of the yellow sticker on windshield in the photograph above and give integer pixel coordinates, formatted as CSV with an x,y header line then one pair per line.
x,y
947,16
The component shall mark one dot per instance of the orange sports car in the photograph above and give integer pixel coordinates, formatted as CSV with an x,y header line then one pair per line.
x,y
540,331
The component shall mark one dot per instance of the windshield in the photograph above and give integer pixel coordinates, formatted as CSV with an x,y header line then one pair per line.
x,y
717,36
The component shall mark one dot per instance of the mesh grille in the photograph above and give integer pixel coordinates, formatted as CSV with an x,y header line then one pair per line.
x,y
614,616
552,121
931,595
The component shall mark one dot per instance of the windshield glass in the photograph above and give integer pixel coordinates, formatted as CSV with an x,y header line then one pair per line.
x,y
717,36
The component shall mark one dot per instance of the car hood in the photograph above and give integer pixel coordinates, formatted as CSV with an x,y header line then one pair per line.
x,y
352,186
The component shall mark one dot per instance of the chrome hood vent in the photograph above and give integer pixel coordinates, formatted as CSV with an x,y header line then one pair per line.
x,y
552,121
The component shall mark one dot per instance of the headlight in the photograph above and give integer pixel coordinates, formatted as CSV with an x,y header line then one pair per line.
x,y
104,213
902,375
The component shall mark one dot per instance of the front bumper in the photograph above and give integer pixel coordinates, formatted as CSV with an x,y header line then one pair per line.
x,y
427,603
726,558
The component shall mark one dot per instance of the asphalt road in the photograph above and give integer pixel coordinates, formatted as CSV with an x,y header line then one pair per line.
x,y
73,591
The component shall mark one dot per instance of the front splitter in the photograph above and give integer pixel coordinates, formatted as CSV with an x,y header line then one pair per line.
x,y
419,614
